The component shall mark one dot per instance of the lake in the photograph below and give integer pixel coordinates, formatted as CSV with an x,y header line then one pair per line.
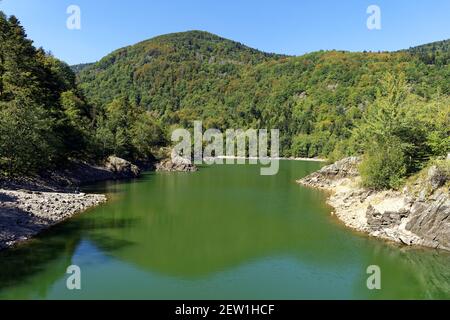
x,y
224,232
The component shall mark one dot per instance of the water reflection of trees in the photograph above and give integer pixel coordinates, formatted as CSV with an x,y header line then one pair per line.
x,y
28,271
178,234
407,272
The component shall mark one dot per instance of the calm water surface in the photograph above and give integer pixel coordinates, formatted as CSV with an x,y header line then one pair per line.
x,y
222,233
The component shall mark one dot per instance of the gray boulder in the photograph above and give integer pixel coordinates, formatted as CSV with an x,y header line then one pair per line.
x,y
176,164
122,168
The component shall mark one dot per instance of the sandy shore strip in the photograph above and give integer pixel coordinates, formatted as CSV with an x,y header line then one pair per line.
x,y
24,214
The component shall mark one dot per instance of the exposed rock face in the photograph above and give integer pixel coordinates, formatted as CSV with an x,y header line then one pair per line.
x,y
436,177
122,168
176,164
327,176
419,215
378,221
431,220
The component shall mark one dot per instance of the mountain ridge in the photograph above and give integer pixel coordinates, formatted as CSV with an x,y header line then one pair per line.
x,y
181,77
413,49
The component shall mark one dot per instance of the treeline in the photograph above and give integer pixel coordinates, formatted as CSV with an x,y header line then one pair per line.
x,y
45,120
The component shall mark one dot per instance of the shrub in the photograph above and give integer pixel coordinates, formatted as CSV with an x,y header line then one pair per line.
x,y
383,166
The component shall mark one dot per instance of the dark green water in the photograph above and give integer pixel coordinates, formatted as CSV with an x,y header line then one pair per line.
x,y
222,233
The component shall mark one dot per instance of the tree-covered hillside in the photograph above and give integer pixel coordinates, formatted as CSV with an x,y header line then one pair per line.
x,y
437,53
163,73
393,108
79,67
315,99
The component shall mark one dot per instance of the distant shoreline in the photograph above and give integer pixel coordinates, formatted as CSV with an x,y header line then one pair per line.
x,y
277,158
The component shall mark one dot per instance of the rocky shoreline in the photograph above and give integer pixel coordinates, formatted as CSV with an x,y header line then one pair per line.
x,y
417,215
29,206
24,213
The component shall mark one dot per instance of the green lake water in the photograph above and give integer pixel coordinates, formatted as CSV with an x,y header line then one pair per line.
x,y
224,232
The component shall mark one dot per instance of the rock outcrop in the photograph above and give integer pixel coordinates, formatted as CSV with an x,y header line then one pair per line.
x,y
417,215
122,168
328,176
176,164
430,214
75,174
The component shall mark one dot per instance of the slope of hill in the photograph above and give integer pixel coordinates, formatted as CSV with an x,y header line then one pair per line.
x,y
433,53
79,67
392,107
161,72
315,99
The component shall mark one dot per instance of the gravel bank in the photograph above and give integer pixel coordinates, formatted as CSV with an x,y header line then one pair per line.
x,y
29,206
24,214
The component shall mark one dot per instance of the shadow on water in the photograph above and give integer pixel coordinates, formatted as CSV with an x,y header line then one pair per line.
x,y
112,187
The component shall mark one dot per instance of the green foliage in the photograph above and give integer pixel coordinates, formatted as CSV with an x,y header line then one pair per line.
x,y
301,145
328,104
436,119
383,166
128,131
400,133
26,139
44,119
195,75
146,133
436,53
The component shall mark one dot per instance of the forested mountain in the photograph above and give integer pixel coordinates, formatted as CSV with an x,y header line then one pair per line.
x,y
161,74
392,107
433,53
315,99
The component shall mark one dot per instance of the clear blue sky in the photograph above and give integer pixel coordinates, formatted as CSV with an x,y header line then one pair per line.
x,y
282,26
